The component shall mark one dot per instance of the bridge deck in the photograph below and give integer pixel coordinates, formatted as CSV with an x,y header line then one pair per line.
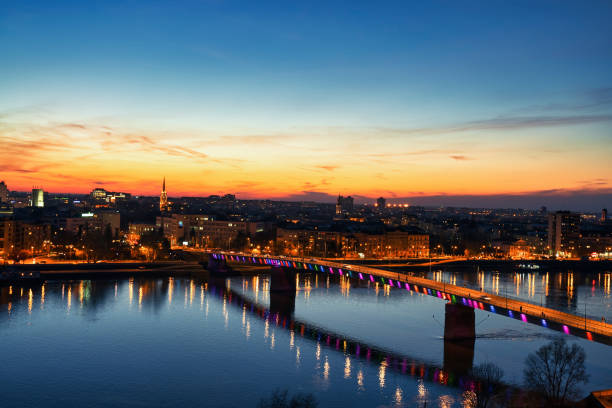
x,y
514,308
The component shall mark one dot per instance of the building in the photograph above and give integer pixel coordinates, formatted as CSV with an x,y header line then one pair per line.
x,y
4,192
94,221
520,249
563,234
381,203
163,197
203,231
137,230
18,236
344,205
6,237
604,214
393,244
38,198
98,194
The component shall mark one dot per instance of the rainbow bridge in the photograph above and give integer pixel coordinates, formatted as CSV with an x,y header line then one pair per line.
x,y
459,322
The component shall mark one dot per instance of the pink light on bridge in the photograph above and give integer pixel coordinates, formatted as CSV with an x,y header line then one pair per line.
x,y
371,278
360,276
566,329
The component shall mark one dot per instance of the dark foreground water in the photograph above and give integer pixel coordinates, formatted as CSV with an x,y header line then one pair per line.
x,y
182,342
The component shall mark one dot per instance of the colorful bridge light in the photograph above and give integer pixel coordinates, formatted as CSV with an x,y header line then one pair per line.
x,y
523,317
492,308
360,277
371,278
566,329
390,282
407,287
510,313
589,336
544,323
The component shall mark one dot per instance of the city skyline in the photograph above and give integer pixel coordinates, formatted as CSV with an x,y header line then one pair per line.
x,y
552,200
439,105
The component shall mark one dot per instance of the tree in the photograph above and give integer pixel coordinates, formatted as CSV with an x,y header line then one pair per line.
x,y
280,399
556,370
489,376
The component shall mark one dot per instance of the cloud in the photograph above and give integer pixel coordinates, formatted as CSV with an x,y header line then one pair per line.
x,y
247,139
503,124
147,144
459,157
590,99
413,153
328,168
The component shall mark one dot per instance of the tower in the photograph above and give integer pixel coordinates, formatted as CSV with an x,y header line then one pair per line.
x,y
563,234
38,197
163,197
381,203
4,192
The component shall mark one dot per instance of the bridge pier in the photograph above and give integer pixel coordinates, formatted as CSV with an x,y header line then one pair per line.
x,y
459,338
282,291
459,322
217,266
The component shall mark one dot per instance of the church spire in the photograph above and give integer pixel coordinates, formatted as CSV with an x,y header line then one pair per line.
x,y
163,197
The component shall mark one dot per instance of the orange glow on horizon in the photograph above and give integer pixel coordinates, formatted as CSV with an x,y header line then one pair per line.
x,y
76,158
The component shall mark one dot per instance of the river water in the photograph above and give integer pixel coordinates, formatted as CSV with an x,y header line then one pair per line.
x,y
187,341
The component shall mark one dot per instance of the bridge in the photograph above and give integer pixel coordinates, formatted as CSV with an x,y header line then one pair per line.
x,y
459,322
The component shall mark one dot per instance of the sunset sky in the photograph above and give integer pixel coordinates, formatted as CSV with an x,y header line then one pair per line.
x,y
306,100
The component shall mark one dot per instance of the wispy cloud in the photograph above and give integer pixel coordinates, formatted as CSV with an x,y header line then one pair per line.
x,y
502,123
327,167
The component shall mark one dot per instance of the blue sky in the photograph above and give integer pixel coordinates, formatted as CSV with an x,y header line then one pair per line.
x,y
470,76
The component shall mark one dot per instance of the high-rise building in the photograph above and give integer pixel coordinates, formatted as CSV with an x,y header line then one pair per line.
x,y
604,215
381,203
344,204
163,197
3,192
563,234
38,197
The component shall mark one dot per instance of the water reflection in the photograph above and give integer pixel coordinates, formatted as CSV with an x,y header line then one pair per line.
x,y
568,291
338,357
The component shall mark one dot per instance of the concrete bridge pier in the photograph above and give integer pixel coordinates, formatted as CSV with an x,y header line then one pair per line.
x,y
459,322
459,338
217,266
217,271
282,291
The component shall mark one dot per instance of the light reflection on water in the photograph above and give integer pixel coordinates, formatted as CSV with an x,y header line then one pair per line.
x,y
567,291
192,342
